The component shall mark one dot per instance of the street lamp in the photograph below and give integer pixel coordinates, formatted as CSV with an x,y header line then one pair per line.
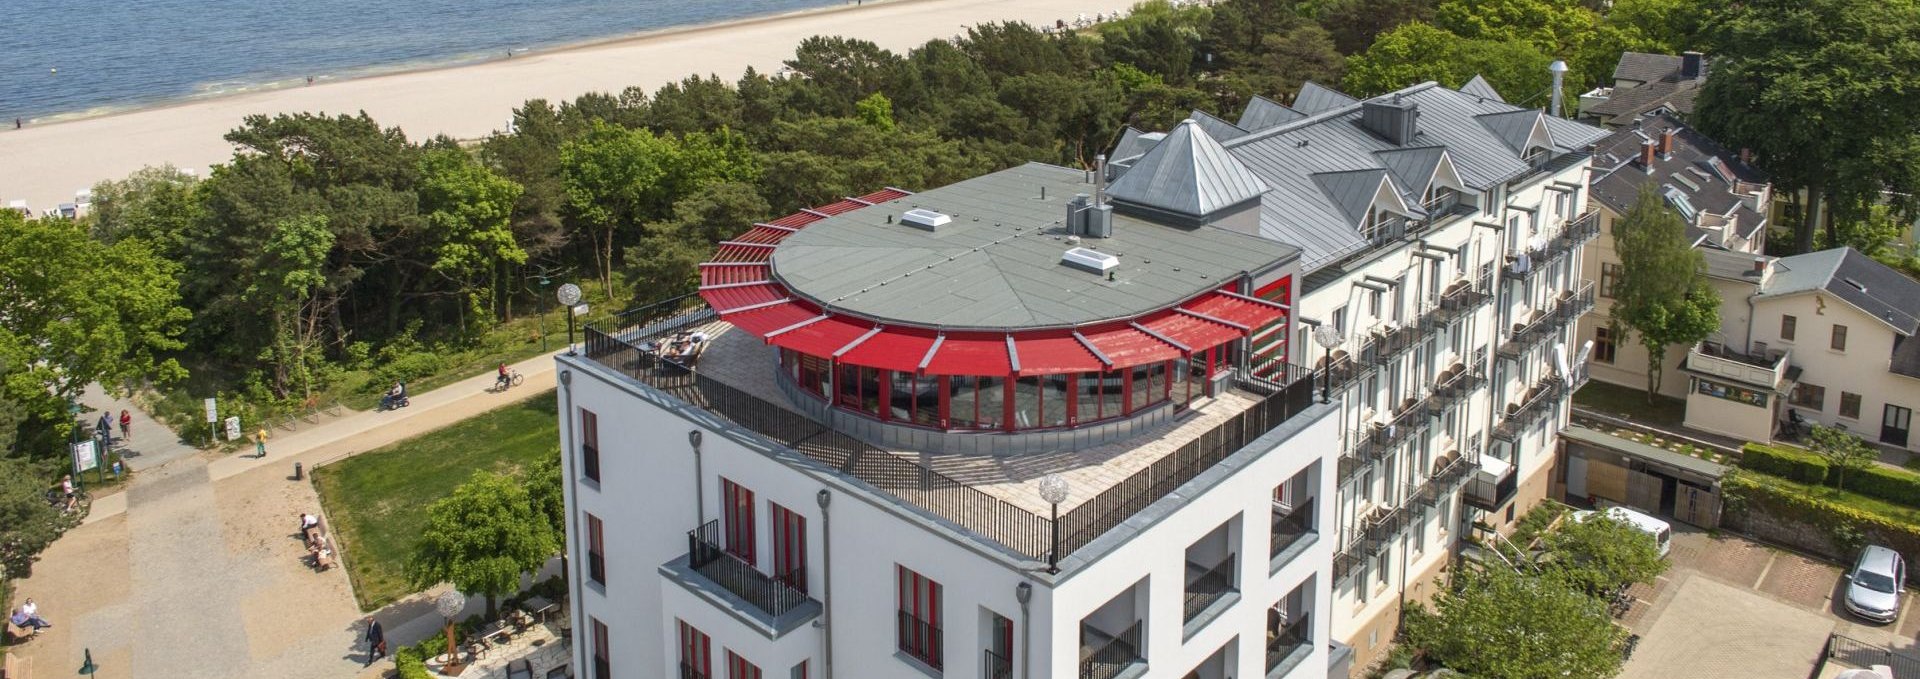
x,y
1053,489
448,605
569,295
1328,337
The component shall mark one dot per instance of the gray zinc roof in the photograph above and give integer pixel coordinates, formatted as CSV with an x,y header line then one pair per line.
x,y
996,265
1479,87
1412,168
1352,191
1645,68
1188,173
1262,113
1220,130
1876,289
1514,128
1315,98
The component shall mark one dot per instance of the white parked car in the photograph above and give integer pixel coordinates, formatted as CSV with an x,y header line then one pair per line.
x,y
1875,584
1661,531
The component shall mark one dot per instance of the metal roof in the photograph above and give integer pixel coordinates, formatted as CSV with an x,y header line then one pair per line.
x,y
1220,130
1315,98
1711,470
1262,113
1353,191
997,265
1874,288
1479,87
1188,173
1518,129
1645,68
1412,168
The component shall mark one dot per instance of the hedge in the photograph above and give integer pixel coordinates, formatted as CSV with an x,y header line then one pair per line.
x,y
1783,502
1898,486
1784,462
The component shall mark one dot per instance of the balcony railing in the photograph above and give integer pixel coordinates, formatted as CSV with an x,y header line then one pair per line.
x,y
765,592
1285,643
1489,492
1104,656
995,666
1290,525
1457,302
616,345
1536,403
922,640
1455,383
1578,231
1208,586
1388,524
1565,310
1390,344
1713,358
689,672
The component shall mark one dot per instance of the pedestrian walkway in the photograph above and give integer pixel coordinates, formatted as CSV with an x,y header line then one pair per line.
x,y
152,444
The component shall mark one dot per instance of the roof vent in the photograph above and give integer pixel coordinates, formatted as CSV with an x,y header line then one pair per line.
x,y
925,219
1090,259
1856,284
1395,121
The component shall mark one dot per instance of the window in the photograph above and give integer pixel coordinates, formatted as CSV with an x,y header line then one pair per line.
x,y
1610,277
1381,564
590,445
602,655
695,651
799,671
596,551
1340,320
1839,342
789,547
739,668
1788,324
999,660
1808,396
1849,405
1603,344
919,617
738,512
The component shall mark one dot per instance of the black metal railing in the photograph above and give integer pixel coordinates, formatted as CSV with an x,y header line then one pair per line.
x,y
1442,484
1374,443
1492,495
765,592
1208,587
1283,643
995,666
1455,385
1290,525
922,640
1565,310
1456,304
1850,651
689,672
1104,656
980,513
1349,368
1537,403
1577,231
1392,343
1387,525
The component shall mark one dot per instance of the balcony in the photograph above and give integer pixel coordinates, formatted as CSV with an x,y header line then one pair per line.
x,y
1376,442
1207,585
774,597
1460,300
1767,369
1350,368
1392,342
1105,656
1493,484
1547,321
1455,383
1287,647
1575,233
1389,523
922,640
1291,524
995,666
1538,402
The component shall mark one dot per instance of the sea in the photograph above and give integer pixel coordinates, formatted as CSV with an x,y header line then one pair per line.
x,y
71,58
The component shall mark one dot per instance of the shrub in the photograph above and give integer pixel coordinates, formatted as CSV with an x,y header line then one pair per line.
x,y
1898,486
1784,462
1846,526
408,663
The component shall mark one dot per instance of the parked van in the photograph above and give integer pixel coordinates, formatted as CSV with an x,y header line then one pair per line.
x,y
1662,532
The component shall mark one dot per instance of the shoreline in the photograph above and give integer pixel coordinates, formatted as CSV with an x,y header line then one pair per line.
x,y
439,64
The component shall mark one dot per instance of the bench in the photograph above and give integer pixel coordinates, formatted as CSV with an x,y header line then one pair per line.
x,y
15,667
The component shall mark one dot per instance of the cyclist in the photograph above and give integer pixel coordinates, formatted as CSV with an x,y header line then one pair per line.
x,y
504,380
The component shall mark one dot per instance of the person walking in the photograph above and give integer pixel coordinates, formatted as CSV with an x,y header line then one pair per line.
x,y
105,429
260,443
376,641
66,487
126,424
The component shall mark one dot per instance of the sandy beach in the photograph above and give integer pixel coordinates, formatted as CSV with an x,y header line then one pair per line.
x,y
45,164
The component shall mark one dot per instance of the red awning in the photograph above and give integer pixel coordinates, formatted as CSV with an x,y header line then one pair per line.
x,y
762,234
1053,354
1126,346
971,355
1236,309
1195,333
894,349
823,338
730,298
771,318
742,273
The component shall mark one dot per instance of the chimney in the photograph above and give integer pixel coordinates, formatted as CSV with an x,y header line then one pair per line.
x,y
1559,70
1100,179
1692,65
1666,142
1077,215
1759,265
1396,121
1647,149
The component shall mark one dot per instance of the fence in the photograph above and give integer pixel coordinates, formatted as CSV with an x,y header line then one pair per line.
x,y
976,511
1851,651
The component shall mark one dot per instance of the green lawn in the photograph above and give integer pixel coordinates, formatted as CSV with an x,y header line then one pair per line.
x,y
377,500
1631,404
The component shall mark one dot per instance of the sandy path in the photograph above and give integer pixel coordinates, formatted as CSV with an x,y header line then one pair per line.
x,y
45,164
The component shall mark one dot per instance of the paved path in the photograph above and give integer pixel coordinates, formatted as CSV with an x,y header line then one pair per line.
x,y
152,443
196,570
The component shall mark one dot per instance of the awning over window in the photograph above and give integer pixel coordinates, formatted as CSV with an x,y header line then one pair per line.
x,y
1246,311
1194,333
1055,353
1126,346
771,318
727,299
971,355
725,274
822,338
895,349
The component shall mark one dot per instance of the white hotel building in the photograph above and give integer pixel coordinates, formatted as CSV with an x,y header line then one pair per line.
x,y
1035,424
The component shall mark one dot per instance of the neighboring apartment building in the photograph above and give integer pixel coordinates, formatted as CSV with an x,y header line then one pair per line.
x,y
1031,425
1644,84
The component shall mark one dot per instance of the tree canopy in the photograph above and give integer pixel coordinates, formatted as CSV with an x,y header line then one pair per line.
x,y
482,538
1661,295
1599,555
1499,624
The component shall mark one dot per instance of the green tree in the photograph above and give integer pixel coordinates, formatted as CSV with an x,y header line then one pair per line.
x,y
1417,52
1354,24
876,110
1600,554
1498,624
666,262
482,538
1842,450
289,269
155,204
1823,91
546,493
618,178
469,212
27,523
1661,294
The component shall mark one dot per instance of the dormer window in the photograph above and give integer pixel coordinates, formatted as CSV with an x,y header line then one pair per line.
x,y
1535,156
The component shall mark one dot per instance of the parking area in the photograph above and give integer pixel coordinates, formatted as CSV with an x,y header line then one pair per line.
x,y
1731,607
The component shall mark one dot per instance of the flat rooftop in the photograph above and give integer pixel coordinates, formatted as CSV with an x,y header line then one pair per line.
x,y
997,264
740,360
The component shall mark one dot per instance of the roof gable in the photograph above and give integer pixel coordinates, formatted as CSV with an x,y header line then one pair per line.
x,y
1188,173
1415,168
1315,98
1220,130
1355,192
1521,130
1262,113
1479,87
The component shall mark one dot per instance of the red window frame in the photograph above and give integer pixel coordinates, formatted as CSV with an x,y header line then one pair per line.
x,y
789,564
590,445
738,512
596,550
800,671
696,651
739,668
920,603
602,656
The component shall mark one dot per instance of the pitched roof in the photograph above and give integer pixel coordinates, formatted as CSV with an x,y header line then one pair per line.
x,y
1130,144
1262,113
1625,103
1519,129
1644,67
1876,289
1188,173
1697,167
1316,98
1352,191
1220,130
1479,87
1412,168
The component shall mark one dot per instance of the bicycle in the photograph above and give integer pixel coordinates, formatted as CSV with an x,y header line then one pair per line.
x,y
511,379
